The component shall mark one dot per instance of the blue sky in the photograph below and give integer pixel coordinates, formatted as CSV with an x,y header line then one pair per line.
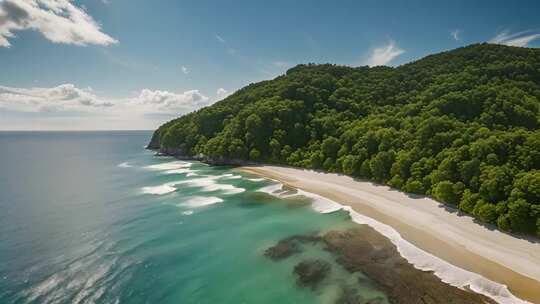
x,y
133,64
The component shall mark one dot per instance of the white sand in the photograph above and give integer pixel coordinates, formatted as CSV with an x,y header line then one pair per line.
x,y
426,224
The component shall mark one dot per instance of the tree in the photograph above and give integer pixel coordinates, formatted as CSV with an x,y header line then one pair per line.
x,y
527,186
254,154
468,201
237,149
351,164
448,192
330,147
381,164
365,169
496,182
275,148
414,186
521,217
486,212
316,160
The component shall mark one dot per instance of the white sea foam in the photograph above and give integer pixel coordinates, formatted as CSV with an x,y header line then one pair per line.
x,y
319,203
209,184
125,165
187,212
178,171
230,176
256,179
169,165
159,190
201,201
192,174
274,189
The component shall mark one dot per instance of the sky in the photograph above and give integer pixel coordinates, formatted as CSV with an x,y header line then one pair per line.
x,y
135,64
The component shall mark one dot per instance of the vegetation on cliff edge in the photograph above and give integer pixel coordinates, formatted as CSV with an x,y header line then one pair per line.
x,y
460,126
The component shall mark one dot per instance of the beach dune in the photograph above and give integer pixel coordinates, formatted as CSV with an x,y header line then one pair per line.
x,y
429,225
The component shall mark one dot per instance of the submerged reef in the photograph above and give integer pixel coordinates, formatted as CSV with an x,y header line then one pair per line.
x,y
378,264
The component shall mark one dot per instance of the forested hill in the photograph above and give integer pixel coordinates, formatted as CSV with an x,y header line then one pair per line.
x,y
461,126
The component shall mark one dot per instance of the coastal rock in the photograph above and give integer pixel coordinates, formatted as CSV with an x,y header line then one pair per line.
x,y
363,249
171,151
180,154
311,272
349,296
282,250
289,246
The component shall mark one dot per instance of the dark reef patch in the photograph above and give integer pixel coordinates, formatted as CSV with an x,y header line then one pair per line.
x,y
289,246
311,272
364,252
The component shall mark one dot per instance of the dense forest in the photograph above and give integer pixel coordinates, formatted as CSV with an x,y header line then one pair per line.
x,y
460,126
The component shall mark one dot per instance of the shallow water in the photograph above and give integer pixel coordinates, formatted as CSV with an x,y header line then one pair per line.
x,y
92,217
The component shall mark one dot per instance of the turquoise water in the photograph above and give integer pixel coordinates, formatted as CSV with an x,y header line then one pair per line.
x,y
92,217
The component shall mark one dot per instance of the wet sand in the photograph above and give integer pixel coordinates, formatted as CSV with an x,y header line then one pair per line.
x,y
428,225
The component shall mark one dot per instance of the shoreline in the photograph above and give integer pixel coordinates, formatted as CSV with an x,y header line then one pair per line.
x,y
424,223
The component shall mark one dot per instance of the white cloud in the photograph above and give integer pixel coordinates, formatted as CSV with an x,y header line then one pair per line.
x,y
221,93
456,34
164,101
67,107
67,97
385,54
58,20
64,97
515,39
185,70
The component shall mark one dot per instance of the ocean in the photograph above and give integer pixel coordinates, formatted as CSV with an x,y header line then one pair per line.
x,y
93,217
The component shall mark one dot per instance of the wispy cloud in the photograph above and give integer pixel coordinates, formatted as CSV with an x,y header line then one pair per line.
x,y
515,39
220,39
385,54
456,34
230,50
165,101
184,70
59,21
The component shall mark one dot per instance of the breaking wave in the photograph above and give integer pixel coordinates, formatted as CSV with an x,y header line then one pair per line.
x,y
125,165
256,179
159,190
169,166
178,171
209,184
201,201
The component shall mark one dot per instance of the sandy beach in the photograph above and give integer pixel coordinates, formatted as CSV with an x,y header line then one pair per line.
x,y
440,231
